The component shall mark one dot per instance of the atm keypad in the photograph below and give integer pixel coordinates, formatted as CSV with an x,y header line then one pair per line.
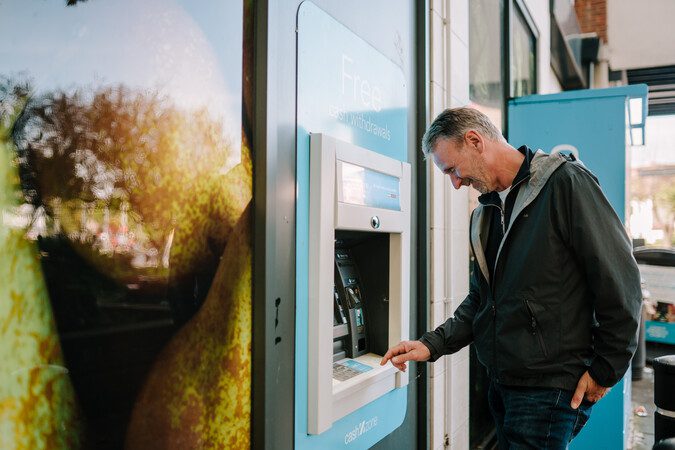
x,y
348,368
343,373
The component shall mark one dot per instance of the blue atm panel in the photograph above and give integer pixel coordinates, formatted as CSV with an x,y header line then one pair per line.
x,y
351,92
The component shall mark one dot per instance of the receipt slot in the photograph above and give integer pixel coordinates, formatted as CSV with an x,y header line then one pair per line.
x,y
359,279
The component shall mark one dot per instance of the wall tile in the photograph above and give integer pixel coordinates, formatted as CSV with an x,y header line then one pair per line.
x,y
437,369
458,406
458,266
437,313
437,406
438,271
458,213
438,48
437,196
459,440
438,99
439,7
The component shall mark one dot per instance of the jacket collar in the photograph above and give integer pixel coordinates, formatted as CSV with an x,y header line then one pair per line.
x,y
541,167
492,198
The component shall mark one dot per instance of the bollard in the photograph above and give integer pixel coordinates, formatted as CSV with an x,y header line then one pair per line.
x,y
664,397
640,356
666,444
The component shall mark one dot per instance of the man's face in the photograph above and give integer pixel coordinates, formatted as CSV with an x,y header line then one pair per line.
x,y
463,163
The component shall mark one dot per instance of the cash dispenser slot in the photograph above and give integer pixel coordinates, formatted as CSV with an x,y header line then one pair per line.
x,y
361,294
359,259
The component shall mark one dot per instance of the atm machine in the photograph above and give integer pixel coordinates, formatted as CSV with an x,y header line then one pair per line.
x,y
352,260
359,277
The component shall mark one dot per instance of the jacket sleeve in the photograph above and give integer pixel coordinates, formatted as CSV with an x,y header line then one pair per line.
x,y
457,331
604,252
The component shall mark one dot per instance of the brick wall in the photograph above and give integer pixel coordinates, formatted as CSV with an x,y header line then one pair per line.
x,y
592,15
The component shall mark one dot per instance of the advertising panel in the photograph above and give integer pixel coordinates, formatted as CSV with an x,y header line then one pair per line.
x,y
125,245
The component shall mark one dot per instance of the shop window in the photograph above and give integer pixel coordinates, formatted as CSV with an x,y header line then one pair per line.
x,y
523,57
489,56
486,74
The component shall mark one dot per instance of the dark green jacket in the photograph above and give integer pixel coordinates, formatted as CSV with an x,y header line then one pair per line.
x,y
566,294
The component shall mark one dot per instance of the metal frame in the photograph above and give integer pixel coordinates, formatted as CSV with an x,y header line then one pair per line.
x,y
327,401
527,15
506,62
273,342
421,213
521,9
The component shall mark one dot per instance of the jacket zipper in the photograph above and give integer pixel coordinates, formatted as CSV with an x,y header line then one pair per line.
x,y
492,288
491,285
502,217
494,313
535,331
515,185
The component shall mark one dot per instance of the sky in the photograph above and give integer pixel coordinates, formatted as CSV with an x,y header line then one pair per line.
x,y
659,148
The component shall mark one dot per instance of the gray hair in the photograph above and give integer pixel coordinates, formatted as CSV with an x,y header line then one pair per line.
x,y
453,123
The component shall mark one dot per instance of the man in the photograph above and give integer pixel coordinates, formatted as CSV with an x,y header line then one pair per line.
x,y
555,292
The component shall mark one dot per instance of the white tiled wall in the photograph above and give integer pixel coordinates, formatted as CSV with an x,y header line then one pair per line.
x,y
437,263
449,23
457,420
437,403
457,224
438,230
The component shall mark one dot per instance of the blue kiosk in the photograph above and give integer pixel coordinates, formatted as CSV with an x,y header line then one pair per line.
x,y
352,237
598,126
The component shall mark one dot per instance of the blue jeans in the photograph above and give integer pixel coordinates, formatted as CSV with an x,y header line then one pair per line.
x,y
535,418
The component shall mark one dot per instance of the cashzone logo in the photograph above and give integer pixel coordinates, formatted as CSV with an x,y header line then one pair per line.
x,y
363,427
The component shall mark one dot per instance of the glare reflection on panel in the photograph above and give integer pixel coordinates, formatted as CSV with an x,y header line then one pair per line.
x,y
366,187
353,184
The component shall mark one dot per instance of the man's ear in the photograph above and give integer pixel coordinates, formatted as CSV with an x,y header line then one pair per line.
x,y
474,140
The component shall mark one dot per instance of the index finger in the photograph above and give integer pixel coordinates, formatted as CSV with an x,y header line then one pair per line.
x,y
395,350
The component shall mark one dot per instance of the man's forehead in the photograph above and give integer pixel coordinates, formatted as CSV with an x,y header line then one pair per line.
x,y
442,157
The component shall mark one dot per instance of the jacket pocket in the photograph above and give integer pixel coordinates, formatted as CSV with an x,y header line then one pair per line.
x,y
528,341
535,328
484,333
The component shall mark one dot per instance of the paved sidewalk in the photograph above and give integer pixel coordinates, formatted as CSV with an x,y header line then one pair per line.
x,y
642,428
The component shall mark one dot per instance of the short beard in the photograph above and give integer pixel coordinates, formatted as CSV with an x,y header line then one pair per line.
x,y
480,186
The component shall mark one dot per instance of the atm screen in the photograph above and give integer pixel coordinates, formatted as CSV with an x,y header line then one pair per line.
x,y
361,186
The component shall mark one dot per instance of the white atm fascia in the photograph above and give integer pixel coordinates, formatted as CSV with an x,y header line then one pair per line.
x,y
328,399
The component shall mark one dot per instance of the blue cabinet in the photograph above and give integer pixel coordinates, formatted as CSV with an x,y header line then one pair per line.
x,y
598,126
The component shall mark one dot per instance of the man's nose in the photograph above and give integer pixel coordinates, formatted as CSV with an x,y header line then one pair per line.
x,y
455,180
